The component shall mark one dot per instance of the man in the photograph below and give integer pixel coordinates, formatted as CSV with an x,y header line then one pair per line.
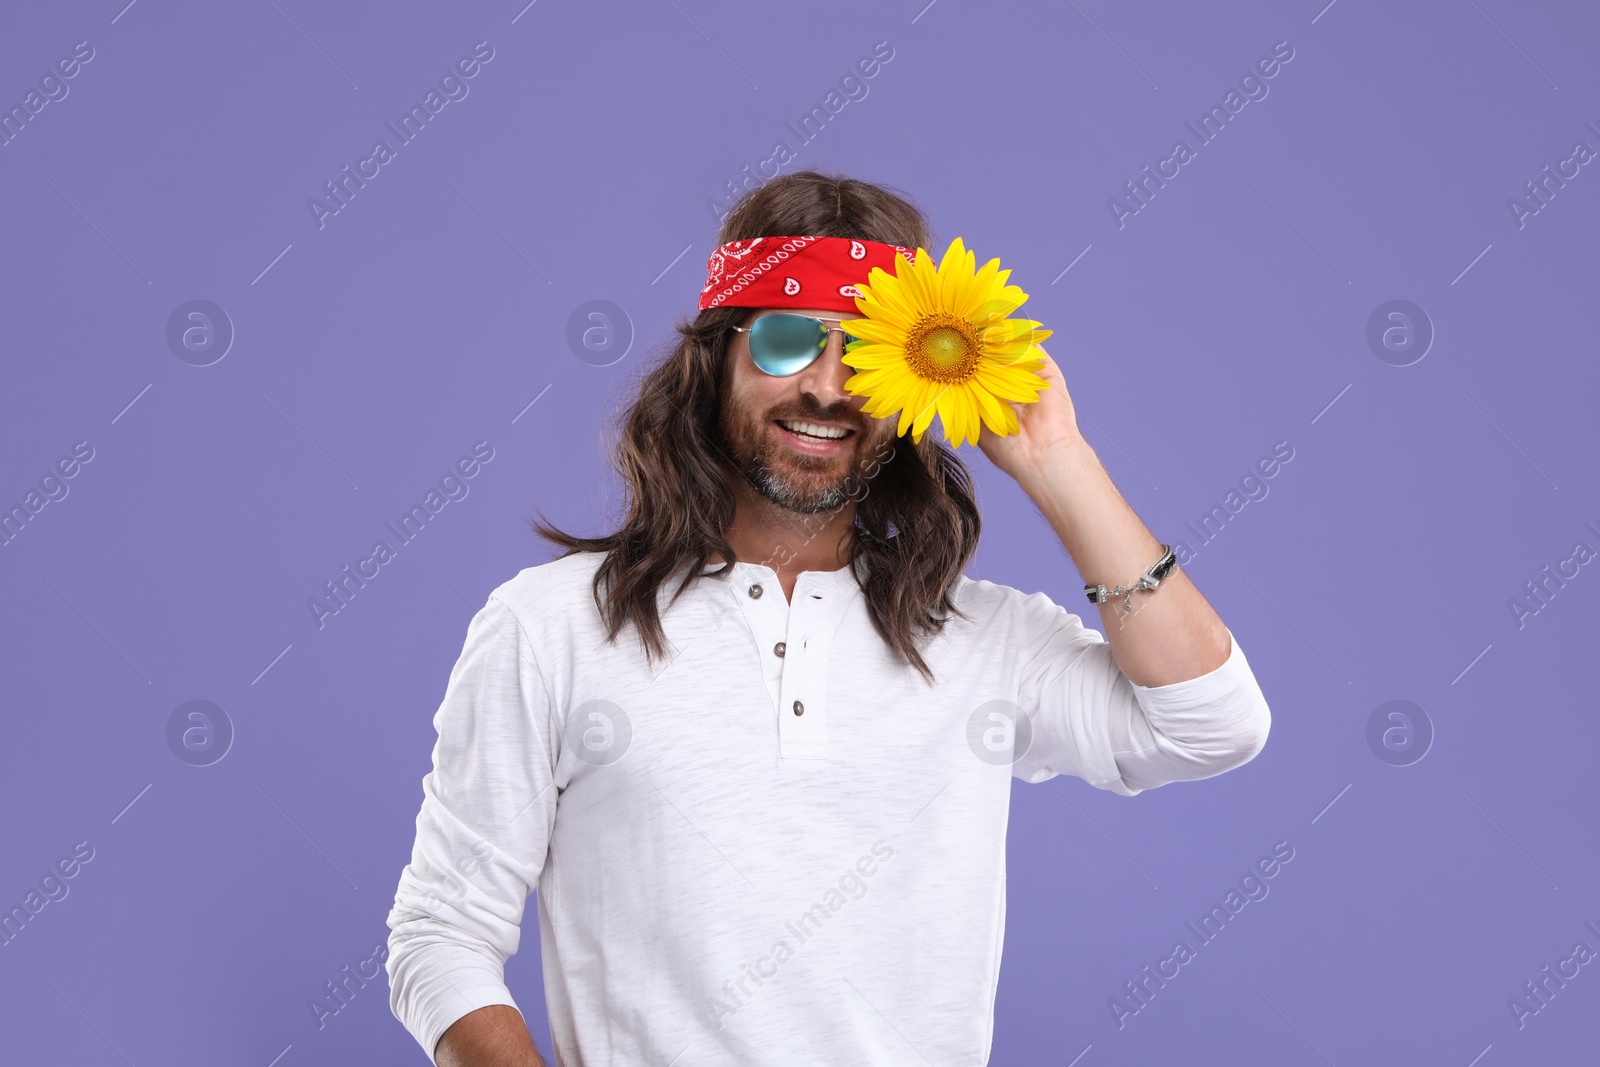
x,y
754,749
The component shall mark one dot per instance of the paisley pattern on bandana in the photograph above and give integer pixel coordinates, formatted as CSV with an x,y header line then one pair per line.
x,y
797,272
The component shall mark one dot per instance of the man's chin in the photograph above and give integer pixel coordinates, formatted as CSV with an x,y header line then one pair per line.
x,y
802,495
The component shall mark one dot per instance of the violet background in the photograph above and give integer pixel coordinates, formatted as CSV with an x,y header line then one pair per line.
x,y
370,354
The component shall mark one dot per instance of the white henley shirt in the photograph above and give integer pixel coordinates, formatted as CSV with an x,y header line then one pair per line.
x,y
779,846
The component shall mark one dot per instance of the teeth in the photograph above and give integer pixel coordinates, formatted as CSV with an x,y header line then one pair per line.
x,y
813,430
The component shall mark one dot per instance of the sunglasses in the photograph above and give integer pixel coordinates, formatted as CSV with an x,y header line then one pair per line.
x,y
784,343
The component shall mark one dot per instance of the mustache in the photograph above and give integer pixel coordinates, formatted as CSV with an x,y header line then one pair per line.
x,y
844,416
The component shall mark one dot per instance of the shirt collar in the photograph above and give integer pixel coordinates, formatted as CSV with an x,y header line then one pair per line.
x,y
843,580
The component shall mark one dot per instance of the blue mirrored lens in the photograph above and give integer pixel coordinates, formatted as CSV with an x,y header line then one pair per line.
x,y
784,344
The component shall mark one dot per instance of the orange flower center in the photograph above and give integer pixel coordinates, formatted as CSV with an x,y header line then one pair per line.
x,y
943,347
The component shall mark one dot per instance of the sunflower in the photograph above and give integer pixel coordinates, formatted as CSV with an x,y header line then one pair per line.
x,y
939,341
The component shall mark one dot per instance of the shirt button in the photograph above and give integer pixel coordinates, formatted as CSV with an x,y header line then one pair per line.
x,y
755,591
799,708
778,648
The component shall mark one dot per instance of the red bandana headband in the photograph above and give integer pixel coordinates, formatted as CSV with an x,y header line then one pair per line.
x,y
797,272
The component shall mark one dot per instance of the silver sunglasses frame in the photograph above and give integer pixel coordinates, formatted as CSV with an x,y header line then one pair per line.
x,y
814,318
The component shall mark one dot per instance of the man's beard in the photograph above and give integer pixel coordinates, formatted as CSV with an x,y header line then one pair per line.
x,y
777,473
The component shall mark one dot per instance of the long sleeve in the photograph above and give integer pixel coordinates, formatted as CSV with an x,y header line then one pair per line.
x,y
488,808
1089,719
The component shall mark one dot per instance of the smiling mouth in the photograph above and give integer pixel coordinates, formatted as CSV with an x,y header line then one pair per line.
x,y
812,442
794,428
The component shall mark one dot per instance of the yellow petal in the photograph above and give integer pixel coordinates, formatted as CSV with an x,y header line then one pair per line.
x,y
1006,387
975,295
905,420
924,283
954,271
893,299
1013,357
998,415
873,350
926,401
875,363
955,253
970,412
878,283
949,417
962,414
898,309
873,379
1005,331
880,330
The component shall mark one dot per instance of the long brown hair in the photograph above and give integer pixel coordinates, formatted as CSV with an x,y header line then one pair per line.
x,y
916,529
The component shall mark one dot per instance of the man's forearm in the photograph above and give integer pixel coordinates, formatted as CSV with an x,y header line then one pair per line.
x,y
492,1036
1172,634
